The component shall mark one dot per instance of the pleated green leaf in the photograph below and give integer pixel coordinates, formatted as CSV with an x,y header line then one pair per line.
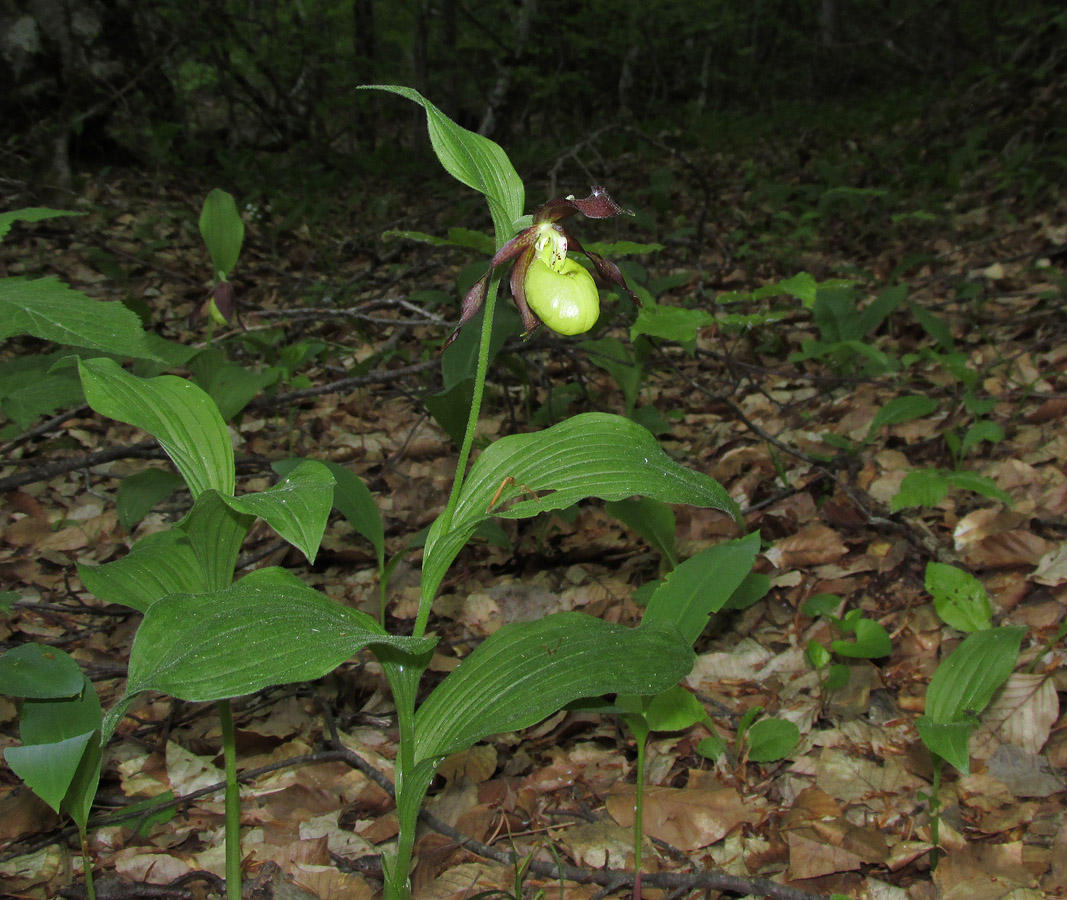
x,y
701,585
268,628
527,671
297,507
157,565
175,412
590,455
471,159
965,682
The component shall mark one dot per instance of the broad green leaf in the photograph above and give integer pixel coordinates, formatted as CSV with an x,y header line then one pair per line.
x,y
674,709
233,387
754,588
820,605
457,237
771,739
159,564
920,487
750,715
835,315
42,395
471,159
268,628
216,531
351,499
52,311
965,682
527,671
590,455
802,286
984,430
222,230
879,309
960,599
671,323
872,641
7,600
30,214
972,481
934,326
138,493
711,747
38,672
949,740
46,723
816,655
652,520
175,412
837,677
901,409
50,720
701,585
297,507
49,769
451,408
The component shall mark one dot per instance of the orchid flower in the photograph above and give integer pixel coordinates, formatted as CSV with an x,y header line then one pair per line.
x,y
548,287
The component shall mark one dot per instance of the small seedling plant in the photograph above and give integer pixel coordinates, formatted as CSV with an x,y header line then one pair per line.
x,y
207,635
869,640
966,680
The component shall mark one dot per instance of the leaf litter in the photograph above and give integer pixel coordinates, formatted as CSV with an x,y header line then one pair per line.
x,y
845,812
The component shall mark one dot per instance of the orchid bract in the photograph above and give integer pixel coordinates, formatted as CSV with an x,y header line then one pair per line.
x,y
548,287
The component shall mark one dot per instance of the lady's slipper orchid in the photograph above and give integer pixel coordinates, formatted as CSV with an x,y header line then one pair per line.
x,y
547,286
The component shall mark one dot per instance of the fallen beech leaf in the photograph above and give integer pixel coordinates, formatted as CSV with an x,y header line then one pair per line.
x,y
813,545
1022,713
1009,548
811,857
685,818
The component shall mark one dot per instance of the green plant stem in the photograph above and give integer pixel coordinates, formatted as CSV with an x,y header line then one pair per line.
x,y
935,812
233,803
476,402
639,807
87,864
468,438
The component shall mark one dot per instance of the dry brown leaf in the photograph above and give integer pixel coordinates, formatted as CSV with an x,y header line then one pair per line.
x,y
1022,713
982,872
1052,567
602,843
685,818
1009,548
476,764
811,857
813,545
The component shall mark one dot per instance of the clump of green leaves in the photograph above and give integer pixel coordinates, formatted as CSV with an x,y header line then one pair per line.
x,y
862,638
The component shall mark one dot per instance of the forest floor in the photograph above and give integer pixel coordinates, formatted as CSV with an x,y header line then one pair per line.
x,y
976,232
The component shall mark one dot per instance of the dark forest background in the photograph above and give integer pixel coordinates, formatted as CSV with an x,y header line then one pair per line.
x,y
266,86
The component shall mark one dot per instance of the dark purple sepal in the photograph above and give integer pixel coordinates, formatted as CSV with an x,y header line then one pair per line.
x,y
530,320
605,268
598,205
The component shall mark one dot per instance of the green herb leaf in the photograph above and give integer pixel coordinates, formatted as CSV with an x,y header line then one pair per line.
x,y
268,628
771,739
471,159
175,412
960,599
589,455
701,585
527,671
52,311
222,230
